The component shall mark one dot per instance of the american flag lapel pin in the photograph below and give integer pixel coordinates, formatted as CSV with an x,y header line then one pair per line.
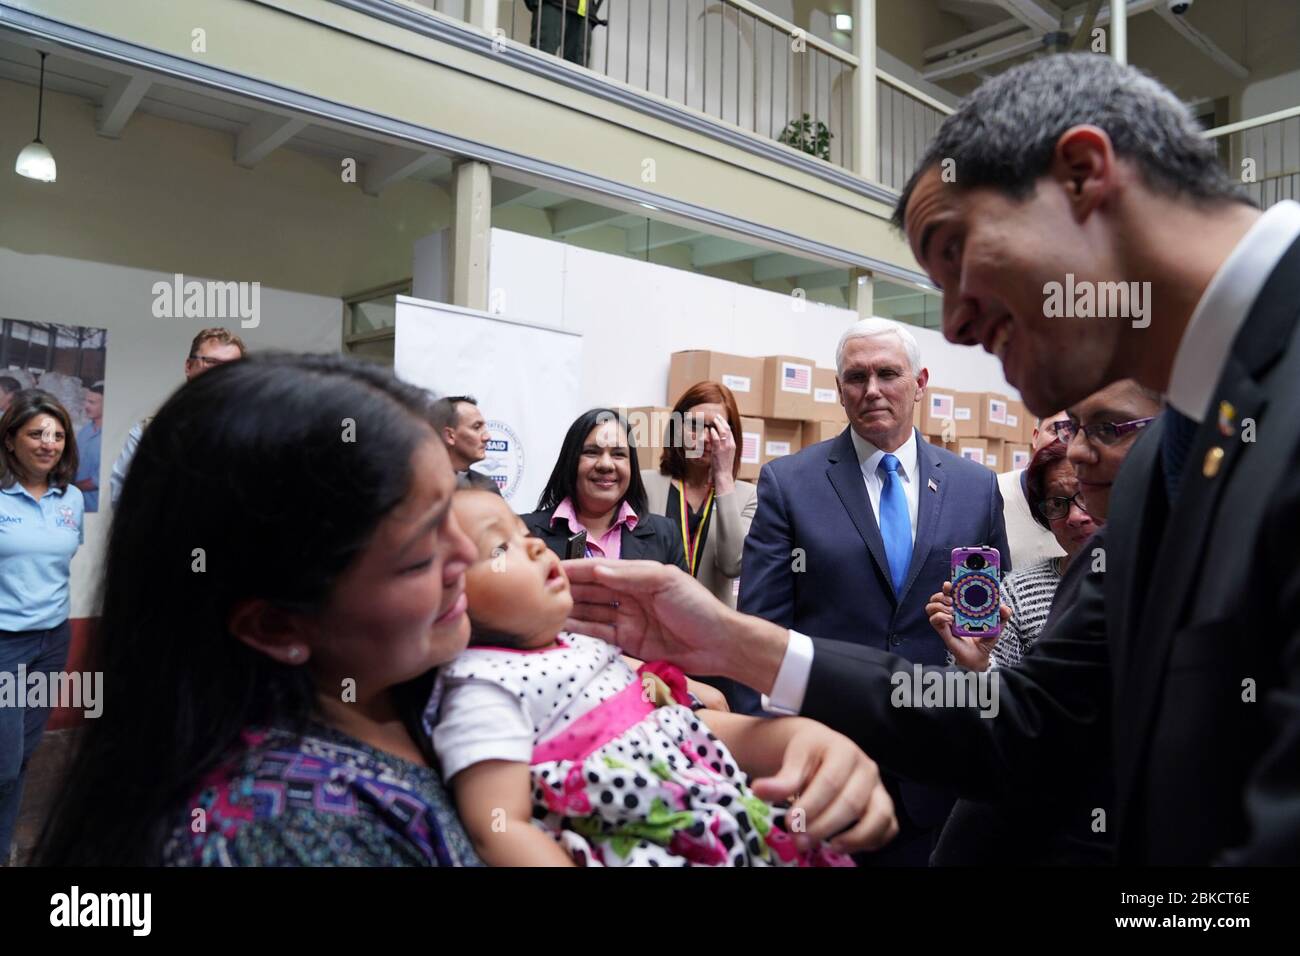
x,y
932,485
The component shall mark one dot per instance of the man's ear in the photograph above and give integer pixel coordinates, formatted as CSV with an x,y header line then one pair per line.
x,y
281,635
1084,164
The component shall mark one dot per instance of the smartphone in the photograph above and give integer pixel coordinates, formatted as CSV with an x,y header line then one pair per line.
x,y
976,592
577,546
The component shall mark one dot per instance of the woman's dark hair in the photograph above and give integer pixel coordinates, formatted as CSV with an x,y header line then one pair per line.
x,y
1036,477
563,482
26,405
262,478
673,463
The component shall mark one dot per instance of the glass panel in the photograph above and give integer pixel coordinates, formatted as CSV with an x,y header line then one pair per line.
x,y
376,350
905,303
373,314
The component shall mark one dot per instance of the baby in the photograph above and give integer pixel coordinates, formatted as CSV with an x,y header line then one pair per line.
x,y
559,753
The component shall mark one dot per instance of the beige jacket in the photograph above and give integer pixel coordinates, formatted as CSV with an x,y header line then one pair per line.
x,y
719,568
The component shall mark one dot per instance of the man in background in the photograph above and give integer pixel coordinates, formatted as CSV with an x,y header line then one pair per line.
x,y
853,535
210,348
88,440
1029,541
463,430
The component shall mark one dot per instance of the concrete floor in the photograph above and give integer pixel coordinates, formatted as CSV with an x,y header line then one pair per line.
x,y
44,774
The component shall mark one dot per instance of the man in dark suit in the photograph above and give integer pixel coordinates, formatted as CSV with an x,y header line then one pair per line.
x,y
854,534
1174,671
464,431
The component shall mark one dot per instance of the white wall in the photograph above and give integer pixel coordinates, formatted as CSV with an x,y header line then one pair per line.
x,y
634,314
146,355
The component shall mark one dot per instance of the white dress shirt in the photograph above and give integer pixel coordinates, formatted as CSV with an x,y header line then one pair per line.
x,y
1224,306
869,457
1198,362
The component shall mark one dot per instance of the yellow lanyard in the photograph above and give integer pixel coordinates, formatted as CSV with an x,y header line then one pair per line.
x,y
582,8
692,543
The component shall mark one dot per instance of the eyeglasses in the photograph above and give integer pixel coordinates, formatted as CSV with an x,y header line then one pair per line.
x,y
208,361
1102,433
1055,508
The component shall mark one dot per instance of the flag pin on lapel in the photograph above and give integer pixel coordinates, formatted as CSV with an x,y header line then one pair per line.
x,y
931,485
1227,417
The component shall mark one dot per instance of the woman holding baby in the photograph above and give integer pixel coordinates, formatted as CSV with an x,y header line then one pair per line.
x,y
278,602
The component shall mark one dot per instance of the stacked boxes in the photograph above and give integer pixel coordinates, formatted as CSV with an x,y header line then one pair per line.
x,y
786,402
986,427
646,425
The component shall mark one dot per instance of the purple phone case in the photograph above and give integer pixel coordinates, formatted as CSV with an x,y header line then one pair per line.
x,y
976,594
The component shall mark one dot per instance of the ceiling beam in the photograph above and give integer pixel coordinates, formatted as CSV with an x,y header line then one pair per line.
x,y
264,136
1017,44
779,265
507,193
995,32
661,234
1203,43
1038,15
716,251
120,101
577,216
398,163
994,51
825,279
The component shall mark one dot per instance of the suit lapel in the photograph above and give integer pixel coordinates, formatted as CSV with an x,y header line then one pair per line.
x,y
930,490
845,475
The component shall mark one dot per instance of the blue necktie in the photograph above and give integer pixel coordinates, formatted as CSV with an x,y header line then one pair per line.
x,y
895,522
1175,445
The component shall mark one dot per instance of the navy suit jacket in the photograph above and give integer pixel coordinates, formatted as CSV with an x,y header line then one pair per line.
x,y
816,501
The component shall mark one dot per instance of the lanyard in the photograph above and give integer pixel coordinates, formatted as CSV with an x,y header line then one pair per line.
x,y
692,543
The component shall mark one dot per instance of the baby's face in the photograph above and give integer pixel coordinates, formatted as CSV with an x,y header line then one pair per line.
x,y
516,586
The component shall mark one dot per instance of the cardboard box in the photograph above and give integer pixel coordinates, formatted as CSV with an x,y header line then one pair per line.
x,y
994,411
944,404
1016,415
1018,454
995,454
788,389
972,449
826,397
751,448
781,437
741,374
814,432
646,425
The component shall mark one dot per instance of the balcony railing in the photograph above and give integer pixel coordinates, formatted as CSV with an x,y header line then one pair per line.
x,y
731,60
1264,153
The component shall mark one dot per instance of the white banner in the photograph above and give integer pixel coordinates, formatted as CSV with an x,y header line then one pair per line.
x,y
526,379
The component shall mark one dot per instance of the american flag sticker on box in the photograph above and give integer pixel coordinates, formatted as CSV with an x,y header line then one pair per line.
x,y
749,451
997,411
796,377
1020,459
973,454
941,406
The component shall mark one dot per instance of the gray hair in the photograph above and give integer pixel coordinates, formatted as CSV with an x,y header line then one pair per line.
x,y
1004,134
873,327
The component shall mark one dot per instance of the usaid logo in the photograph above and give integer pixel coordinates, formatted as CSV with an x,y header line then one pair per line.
x,y
504,461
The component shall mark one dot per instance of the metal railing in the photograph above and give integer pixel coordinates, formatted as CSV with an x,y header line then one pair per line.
x,y
1264,153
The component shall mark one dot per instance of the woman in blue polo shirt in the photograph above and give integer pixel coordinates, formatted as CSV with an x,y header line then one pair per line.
x,y
40,529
